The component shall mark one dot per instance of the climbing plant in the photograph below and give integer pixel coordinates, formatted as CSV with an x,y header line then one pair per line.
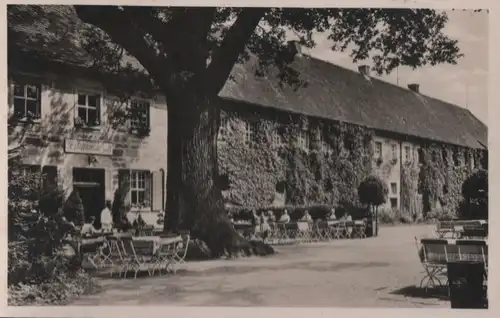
x,y
318,162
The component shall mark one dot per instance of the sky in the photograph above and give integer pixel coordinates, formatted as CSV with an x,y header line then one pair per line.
x,y
444,81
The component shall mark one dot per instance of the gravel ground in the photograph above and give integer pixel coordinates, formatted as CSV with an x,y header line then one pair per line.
x,y
373,272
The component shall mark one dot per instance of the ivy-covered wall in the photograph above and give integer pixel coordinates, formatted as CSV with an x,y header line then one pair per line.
x,y
263,154
270,159
441,173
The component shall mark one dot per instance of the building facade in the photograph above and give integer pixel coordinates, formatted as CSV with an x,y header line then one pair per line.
x,y
278,144
77,138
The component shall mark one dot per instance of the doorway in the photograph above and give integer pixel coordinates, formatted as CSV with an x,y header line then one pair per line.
x,y
90,185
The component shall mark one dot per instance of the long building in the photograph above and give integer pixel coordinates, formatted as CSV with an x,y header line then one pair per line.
x,y
277,144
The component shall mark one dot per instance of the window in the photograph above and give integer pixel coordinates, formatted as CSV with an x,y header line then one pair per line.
x,y
394,152
139,110
444,154
223,128
277,140
304,140
407,154
27,100
456,159
394,203
139,188
378,149
88,110
420,155
250,132
394,188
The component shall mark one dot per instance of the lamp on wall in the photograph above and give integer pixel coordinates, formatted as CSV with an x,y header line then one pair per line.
x,y
92,160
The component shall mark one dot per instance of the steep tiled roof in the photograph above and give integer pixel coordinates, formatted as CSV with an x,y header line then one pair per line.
x,y
332,92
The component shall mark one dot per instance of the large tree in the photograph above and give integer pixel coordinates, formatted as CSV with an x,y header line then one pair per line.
x,y
189,52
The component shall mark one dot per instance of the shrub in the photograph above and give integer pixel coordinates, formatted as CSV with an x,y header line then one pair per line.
x,y
39,255
73,208
475,194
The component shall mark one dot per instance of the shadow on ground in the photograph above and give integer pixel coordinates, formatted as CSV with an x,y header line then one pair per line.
x,y
439,293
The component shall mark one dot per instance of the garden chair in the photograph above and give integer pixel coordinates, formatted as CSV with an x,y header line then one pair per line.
x,y
165,257
360,229
337,230
113,254
138,256
444,228
182,249
433,256
303,232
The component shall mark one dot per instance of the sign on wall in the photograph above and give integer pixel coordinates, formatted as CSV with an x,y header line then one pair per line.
x,y
88,147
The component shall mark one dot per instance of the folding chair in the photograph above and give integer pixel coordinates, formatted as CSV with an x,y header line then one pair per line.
x,y
138,255
360,229
113,254
181,249
303,232
338,230
164,257
445,227
433,256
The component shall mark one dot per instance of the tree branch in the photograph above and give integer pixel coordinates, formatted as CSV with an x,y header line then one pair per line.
x,y
231,47
119,27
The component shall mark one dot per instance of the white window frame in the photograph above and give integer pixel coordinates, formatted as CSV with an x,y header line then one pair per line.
x,y
395,189
135,186
394,149
378,152
25,97
223,128
407,154
250,132
277,139
148,110
303,140
99,107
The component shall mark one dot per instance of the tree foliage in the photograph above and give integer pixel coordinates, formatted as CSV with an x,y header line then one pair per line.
x,y
476,185
373,191
189,52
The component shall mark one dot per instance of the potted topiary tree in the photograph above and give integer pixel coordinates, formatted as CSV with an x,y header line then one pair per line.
x,y
373,193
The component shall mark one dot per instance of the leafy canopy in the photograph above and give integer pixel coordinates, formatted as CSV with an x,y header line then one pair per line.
x,y
193,47
373,191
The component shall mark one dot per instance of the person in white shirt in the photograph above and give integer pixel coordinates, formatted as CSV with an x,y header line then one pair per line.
x,y
88,228
285,218
332,216
307,217
107,218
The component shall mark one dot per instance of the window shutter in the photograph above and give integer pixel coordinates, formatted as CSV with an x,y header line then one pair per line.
x,y
124,180
157,191
147,194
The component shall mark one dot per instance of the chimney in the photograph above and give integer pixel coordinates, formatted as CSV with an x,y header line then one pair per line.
x,y
414,87
295,47
364,70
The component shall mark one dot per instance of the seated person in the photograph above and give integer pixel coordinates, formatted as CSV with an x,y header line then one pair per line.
x,y
270,217
331,216
285,218
306,217
348,217
88,228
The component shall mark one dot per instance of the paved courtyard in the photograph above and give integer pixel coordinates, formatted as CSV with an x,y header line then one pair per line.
x,y
374,272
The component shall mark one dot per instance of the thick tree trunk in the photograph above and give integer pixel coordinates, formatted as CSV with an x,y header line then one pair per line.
x,y
194,200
